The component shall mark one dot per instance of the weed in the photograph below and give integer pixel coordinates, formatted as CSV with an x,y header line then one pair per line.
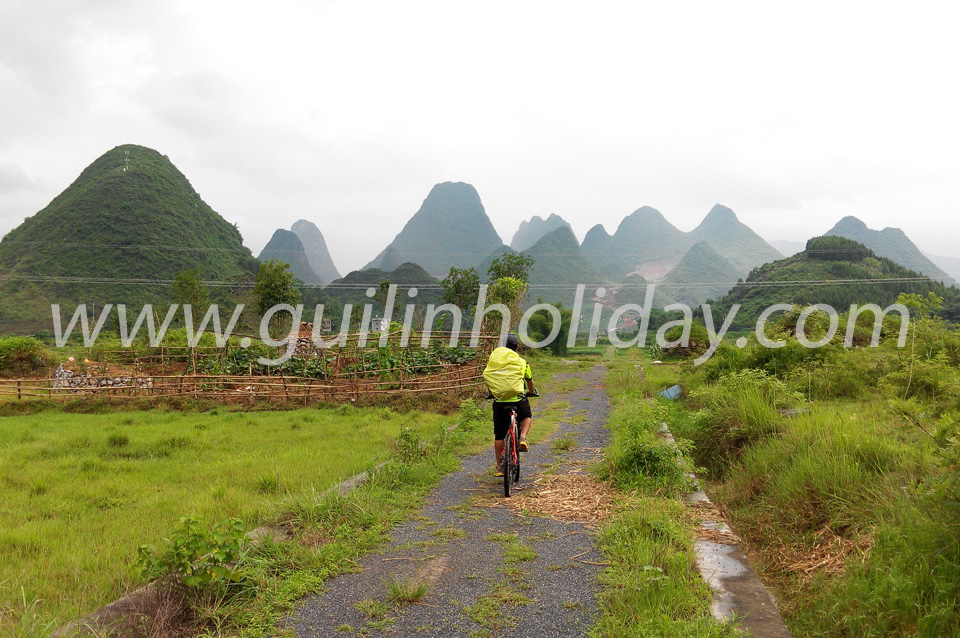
x,y
118,440
404,592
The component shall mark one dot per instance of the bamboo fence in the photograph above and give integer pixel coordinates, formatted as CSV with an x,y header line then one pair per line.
x,y
341,374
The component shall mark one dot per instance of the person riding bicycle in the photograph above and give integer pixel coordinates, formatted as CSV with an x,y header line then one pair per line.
x,y
506,375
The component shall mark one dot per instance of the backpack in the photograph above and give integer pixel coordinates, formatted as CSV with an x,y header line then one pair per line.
x,y
504,374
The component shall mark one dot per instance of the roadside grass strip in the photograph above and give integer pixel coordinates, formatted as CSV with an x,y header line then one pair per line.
x,y
650,585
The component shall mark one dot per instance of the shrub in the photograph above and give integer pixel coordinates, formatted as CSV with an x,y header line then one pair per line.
x,y
640,457
741,408
197,556
21,356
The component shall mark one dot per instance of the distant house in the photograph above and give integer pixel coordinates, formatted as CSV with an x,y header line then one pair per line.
x,y
379,324
326,325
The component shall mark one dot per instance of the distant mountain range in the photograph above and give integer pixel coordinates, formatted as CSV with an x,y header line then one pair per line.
x,y
530,232
316,250
451,229
891,243
702,274
646,236
286,246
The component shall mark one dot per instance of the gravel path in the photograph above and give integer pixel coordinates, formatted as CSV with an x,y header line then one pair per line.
x,y
488,568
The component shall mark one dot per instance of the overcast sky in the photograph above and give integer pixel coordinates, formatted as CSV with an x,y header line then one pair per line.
x,y
347,113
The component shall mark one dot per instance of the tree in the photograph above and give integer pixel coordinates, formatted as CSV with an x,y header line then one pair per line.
x,y
273,286
382,291
540,326
188,289
461,288
515,265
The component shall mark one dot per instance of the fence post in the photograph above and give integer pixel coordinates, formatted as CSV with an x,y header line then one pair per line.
x,y
18,389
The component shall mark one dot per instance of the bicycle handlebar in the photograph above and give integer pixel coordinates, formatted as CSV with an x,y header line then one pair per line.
x,y
525,395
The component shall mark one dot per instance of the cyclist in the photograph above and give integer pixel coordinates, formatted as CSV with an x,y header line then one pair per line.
x,y
506,375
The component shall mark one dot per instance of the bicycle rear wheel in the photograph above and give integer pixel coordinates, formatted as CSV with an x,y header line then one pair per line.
x,y
509,447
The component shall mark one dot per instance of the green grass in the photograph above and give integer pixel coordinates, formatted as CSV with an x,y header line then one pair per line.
x,y
80,493
852,470
650,586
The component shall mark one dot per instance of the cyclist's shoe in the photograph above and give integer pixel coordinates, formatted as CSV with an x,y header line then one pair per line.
x,y
522,446
499,472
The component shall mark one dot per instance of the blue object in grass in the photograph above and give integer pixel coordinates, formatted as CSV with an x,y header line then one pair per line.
x,y
673,392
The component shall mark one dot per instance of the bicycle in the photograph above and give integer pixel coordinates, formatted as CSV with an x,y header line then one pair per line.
x,y
510,460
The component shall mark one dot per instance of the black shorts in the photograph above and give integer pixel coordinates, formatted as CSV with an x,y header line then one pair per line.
x,y
501,416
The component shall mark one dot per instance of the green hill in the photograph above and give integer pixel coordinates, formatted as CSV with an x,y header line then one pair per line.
x,y
806,277
286,246
558,266
702,274
352,288
530,232
129,215
891,243
316,249
451,229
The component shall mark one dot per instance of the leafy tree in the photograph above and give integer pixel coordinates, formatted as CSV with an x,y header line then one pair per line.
x,y
514,265
382,291
274,285
541,325
461,287
188,288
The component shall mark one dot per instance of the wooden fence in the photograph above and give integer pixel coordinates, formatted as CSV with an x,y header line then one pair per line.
x,y
338,374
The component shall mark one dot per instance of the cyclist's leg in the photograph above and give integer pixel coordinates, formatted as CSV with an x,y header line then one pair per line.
x,y
501,422
524,420
525,427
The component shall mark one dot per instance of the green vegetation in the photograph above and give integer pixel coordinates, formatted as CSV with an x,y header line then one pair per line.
x,y
891,243
22,356
650,586
793,281
130,214
841,470
352,287
274,286
80,493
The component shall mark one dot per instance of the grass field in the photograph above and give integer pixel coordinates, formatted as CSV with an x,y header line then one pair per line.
x,y
79,493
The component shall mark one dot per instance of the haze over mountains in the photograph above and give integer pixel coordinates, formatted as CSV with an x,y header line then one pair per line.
x,y
131,221
646,236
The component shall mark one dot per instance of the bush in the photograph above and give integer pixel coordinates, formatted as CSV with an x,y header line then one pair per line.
x,y
197,556
741,408
21,356
640,457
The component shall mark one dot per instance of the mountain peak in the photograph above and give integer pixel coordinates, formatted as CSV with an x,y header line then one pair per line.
x,y
719,212
891,243
286,246
848,224
451,229
530,232
316,250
